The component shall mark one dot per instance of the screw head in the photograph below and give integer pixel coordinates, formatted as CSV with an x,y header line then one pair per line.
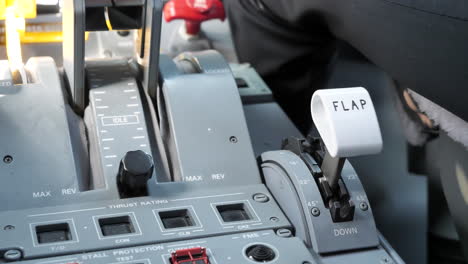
x,y
233,139
386,260
274,219
8,227
123,33
12,255
315,211
363,206
8,159
283,232
261,198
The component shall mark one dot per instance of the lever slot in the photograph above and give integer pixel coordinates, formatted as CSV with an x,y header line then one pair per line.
x,y
292,177
327,176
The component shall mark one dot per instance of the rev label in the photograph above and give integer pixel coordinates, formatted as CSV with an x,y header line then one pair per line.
x,y
217,176
68,191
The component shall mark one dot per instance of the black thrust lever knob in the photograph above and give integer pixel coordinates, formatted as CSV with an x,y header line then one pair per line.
x,y
135,169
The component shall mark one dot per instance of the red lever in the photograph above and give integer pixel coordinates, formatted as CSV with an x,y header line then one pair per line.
x,y
194,12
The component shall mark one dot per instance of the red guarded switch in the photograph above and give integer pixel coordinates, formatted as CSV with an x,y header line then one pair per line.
x,y
194,12
190,256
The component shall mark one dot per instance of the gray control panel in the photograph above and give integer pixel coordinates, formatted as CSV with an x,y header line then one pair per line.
x,y
295,189
117,203
229,249
117,114
40,141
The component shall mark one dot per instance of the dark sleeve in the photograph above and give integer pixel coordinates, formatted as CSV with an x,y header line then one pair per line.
x,y
291,58
422,44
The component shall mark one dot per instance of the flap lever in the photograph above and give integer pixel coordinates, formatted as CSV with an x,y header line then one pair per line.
x,y
348,125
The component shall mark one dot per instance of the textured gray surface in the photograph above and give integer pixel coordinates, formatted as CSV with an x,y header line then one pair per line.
x,y
240,182
35,133
119,119
204,112
268,126
285,172
388,186
398,199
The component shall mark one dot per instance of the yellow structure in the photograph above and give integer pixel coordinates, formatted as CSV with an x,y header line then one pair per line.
x,y
26,9
21,8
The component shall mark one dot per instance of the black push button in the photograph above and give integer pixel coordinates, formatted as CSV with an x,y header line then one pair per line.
x,y
114,226
260,253
176,219
136,168
53,233
233,212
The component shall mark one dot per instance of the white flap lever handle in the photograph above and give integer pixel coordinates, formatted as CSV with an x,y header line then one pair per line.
x,y
346,121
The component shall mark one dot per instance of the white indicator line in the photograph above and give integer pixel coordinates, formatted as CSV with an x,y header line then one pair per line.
x,y
98,99
133,97
106,148
110,156
132,105
201,197
102,107
129,90
103,131
185,244
199,230
66,212
139,128
257,224
168,234
138,137
143,145
99,92
228,227
109,165
136,113
100,115
108,139
130,83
